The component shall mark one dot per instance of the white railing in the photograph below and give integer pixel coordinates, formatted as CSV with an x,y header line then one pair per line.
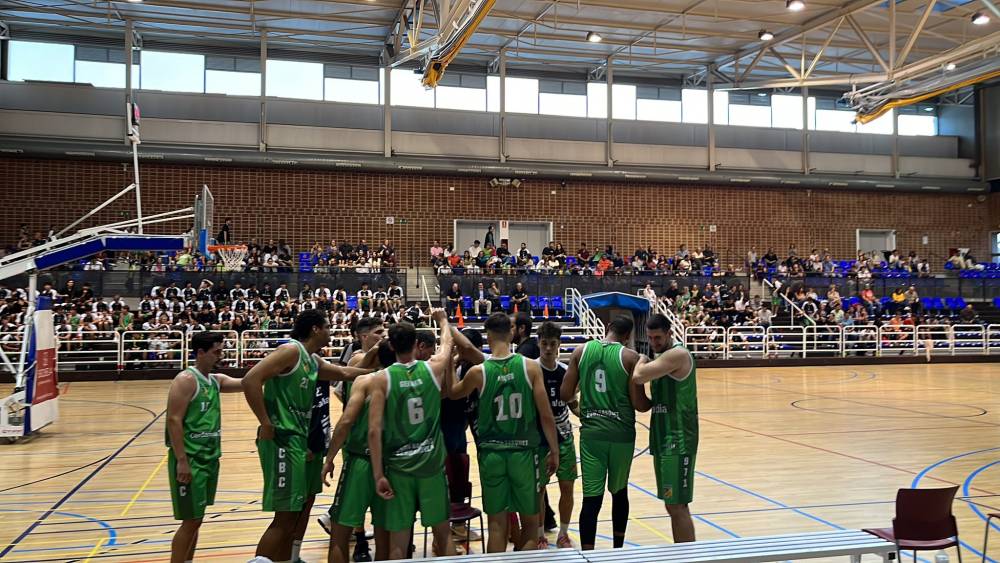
x,y
860,340
152,349
786,341
708,342
747,342
171,349
676,326
791,304
585,317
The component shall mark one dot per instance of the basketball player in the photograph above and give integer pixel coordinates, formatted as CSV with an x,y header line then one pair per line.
x,y
673,430
280,392
512,400
608,401
194,418
553,373
406,403
355,489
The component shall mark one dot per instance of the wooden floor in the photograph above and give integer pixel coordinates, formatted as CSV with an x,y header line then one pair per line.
x,y
782,450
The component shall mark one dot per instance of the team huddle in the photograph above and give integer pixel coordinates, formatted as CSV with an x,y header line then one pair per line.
x,y
409,397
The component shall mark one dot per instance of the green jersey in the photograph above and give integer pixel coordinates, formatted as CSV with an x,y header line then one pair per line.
x,y
357,438
674,424
507,418
202,420
289,396
411,434
605,406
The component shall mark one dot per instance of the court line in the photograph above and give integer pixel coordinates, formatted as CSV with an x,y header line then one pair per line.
x,y
875,430
144,485
53,476
93,552
697,517
965,487
652,529
78,486
770,500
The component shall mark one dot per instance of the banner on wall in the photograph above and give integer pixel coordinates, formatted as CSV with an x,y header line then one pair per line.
x,y
42,382
504,230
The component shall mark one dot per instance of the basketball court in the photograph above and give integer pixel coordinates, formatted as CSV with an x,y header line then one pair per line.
x,y
782,450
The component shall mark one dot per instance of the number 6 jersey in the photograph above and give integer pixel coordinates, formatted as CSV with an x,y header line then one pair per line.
x,y
507,414
411,434
605,407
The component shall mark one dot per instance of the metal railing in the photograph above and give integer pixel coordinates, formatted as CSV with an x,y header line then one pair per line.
x,y
788,302
152,349
746,342
585,316
658,306
88,349
709,342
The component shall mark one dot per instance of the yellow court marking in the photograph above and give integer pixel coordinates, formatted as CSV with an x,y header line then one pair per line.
x,y
144,485
652,529
94,551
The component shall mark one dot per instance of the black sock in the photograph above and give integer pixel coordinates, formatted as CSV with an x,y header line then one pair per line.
x,y
619,516
359,539
588,519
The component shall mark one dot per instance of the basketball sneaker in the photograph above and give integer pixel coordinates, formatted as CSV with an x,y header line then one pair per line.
x,y
543,543
324,522
563,542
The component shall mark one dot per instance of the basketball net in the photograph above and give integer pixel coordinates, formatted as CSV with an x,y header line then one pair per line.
x,y
232,256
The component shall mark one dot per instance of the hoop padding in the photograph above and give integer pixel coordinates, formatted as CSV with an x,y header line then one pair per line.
x,y
232,256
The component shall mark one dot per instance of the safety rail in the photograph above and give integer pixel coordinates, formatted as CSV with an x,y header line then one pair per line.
x,y
747,342
93,349
152,349
170,349
824,340
860,340
708,342
897,340
585,316
658,306
786,341
791,304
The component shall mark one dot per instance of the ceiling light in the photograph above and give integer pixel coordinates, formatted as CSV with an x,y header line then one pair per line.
x,y
593,37
795,5
765,35
980,18
929,108
949,66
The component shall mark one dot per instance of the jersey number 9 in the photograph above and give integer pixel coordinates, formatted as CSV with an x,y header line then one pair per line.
x,y
600,381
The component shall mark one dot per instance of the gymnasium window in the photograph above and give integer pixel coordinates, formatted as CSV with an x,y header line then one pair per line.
x,y
658,104
694,106
351,84
493,94
597,100
30,60
104,67
407,89
294,79
461,91
786,111
833,115
558,97
232,75
751,109
881,126
173,72
522,95
918,120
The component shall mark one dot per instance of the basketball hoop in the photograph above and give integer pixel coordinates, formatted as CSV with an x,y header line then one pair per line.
x,y
232,255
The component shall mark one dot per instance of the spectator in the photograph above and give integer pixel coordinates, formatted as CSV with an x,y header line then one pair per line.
x,y
365,302
494,296
898,300
395,295
488,240
482,299
913,300
437,251
474,249
225,235
968,315
453,299
519,299
649,293
527,345
583,254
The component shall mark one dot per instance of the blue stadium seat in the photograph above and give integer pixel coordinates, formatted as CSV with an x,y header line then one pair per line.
x,y
533,301
996,302
557,303
505,302
352,302
571,260
467,305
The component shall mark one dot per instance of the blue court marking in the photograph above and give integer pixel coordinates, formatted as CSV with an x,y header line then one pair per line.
x,y
697,517
603,537
111,530
76,488
965,487
967,484
770,500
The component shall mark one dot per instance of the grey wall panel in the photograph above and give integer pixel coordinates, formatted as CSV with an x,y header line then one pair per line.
x,y
554,127
752,137
990,107
61,125
654,133
65,98
324,114
940,147
202,107
960,122
211,133
450,122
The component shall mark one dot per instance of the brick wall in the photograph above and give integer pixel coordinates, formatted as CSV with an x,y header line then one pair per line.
x,y
308,205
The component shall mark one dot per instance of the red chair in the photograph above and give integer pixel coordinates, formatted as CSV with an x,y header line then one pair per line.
x,y
464,513
923,521
986,536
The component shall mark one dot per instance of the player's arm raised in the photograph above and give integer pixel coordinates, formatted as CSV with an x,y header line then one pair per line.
x,y
467,351
182,389
228,384
544,414
673,361
333,372
376,416
280,361
636,391
359,392
567,391
441,361
473,380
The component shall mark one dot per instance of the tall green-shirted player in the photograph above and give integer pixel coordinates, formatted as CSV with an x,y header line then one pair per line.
x,y
673,430
405,441
193,434
280,392
608,401
512,402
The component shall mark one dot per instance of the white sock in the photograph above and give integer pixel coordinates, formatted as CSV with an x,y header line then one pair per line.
x,y
260,559
564,529
296,547
541,531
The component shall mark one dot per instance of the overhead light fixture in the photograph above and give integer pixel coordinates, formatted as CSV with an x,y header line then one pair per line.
x,y
765,35
928,108
594,37
980,18
795,5
949,66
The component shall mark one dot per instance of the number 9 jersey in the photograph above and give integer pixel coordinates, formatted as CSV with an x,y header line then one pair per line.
x,y
605,407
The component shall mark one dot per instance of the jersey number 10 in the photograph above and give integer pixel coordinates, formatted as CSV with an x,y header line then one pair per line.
x,y
515,402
